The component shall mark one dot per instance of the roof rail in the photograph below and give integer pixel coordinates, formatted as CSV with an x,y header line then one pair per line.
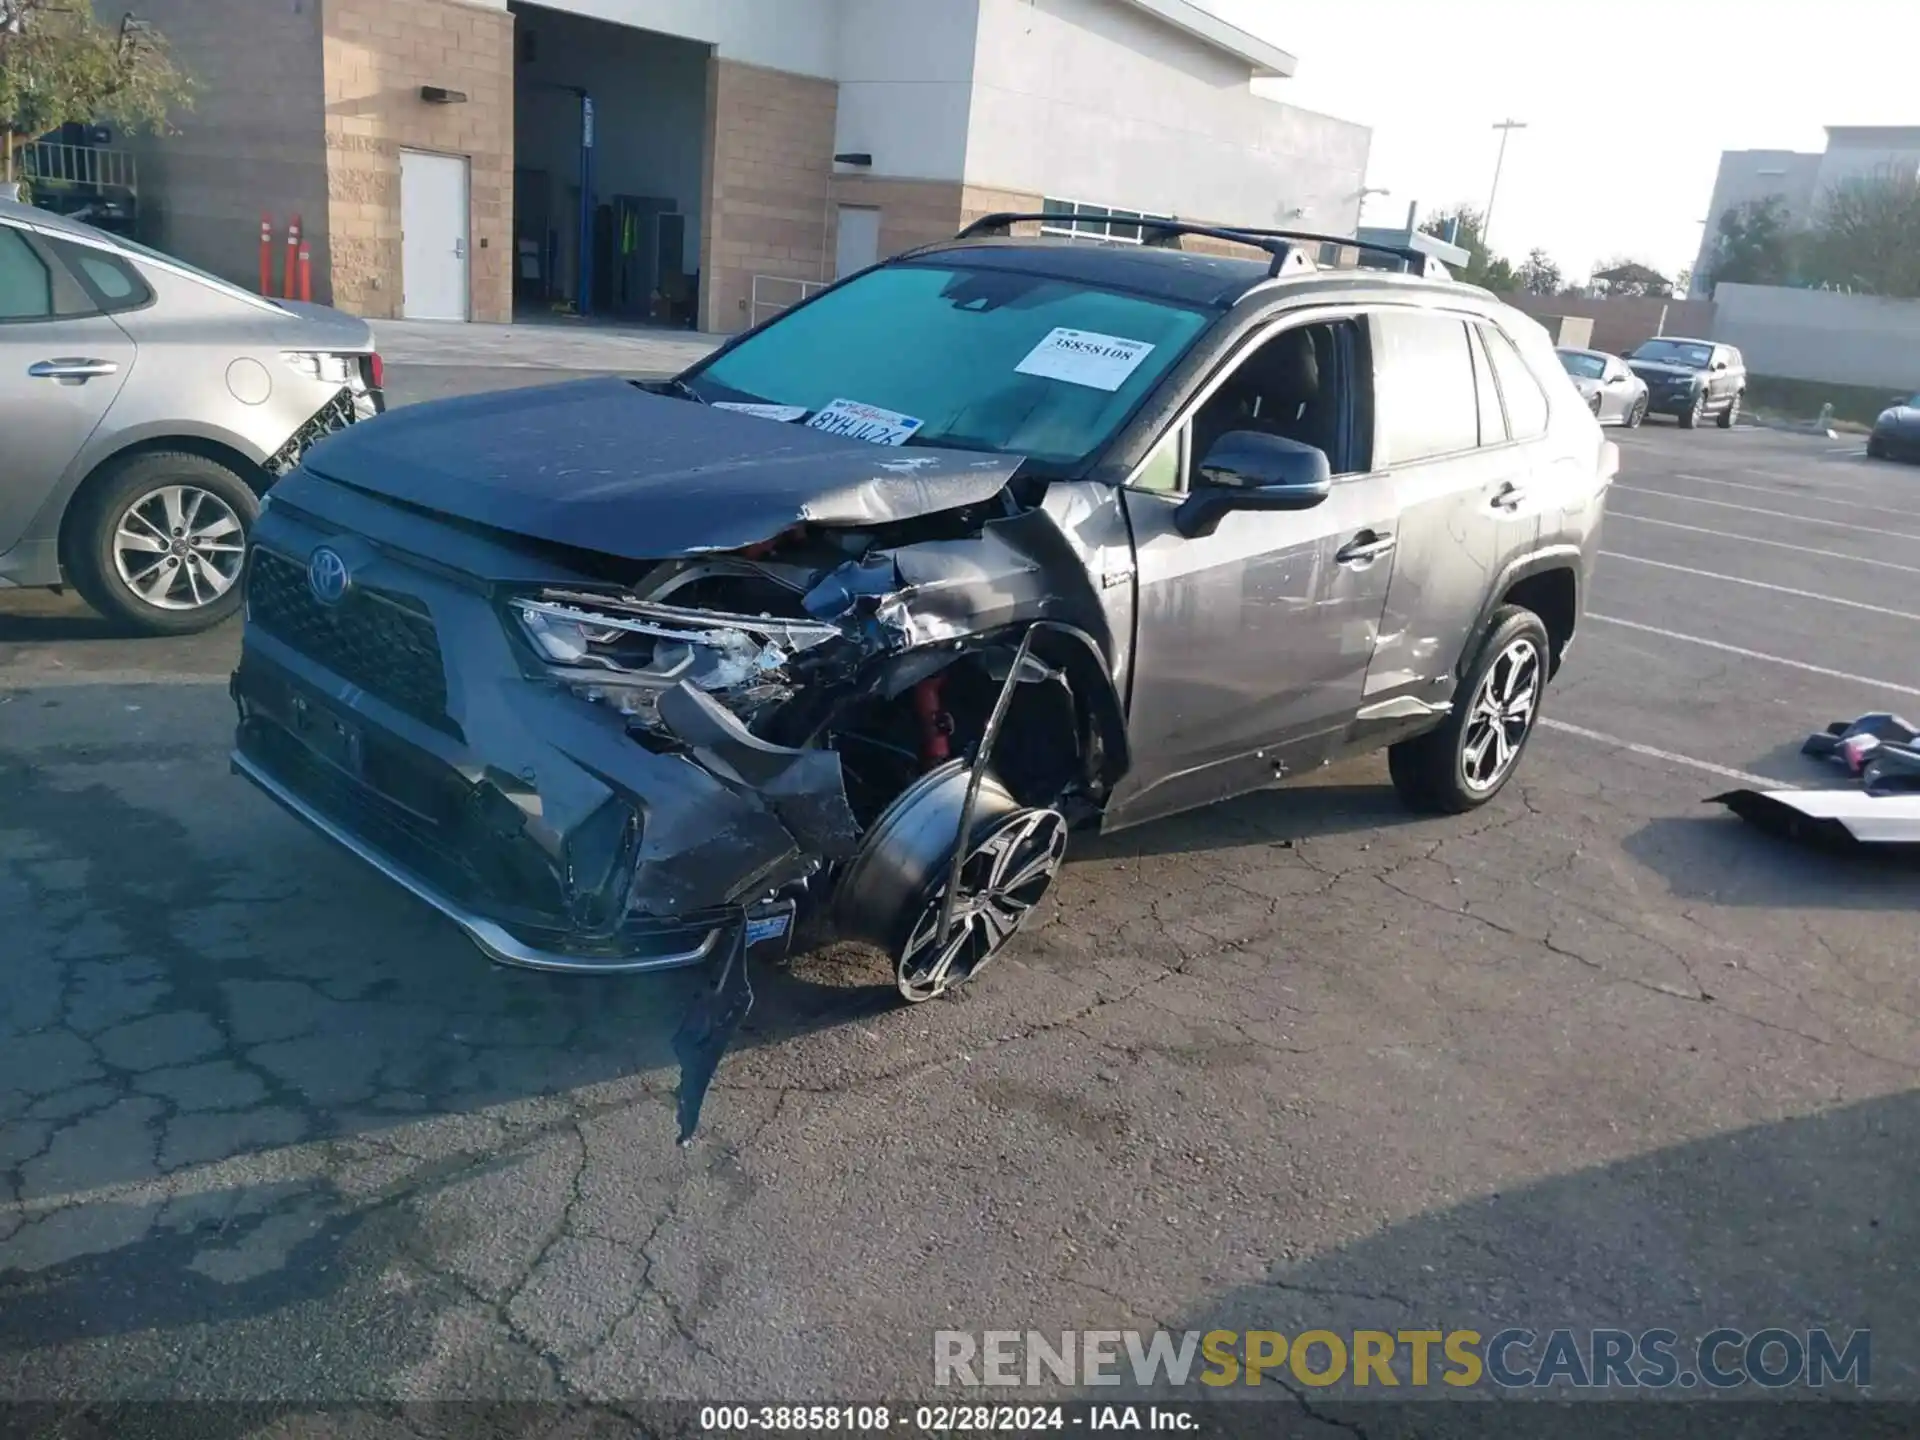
x,y
1282,245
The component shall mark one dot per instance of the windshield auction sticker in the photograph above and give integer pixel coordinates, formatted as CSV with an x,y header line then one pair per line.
x,y
865,422
1085,357
783,413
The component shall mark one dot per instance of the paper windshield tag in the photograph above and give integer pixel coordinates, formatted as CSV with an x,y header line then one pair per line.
x,y
865,422
1084,357
783,413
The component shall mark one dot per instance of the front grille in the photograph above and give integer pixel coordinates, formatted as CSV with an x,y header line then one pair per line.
x,y
374,641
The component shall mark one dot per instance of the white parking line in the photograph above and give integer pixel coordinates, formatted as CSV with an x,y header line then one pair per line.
x,y
1613,515
1762,585
1726,772
1758,655
1819,496
1776,514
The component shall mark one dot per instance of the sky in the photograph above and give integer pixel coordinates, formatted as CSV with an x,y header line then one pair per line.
x,y
1628,103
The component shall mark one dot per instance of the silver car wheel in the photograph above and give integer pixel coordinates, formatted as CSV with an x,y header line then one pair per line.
x,y
179,547
1008,872
1502,714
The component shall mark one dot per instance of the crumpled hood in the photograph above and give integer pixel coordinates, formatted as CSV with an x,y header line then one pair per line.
x,y
606,466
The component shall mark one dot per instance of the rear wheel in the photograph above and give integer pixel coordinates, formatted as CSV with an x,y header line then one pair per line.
x,y
1470,758
1730,416
158,542
1637,415
1691,417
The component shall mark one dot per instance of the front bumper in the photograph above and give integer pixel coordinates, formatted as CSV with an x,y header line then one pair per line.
x,y
1671,399
1901,445
407,727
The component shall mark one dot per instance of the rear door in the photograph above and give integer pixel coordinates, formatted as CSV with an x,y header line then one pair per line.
x,y
1461,481
61,365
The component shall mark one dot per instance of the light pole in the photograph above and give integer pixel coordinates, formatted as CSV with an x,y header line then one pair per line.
x,y
1506,128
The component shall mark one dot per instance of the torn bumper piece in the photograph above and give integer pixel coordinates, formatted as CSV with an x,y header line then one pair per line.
x,y
1839,819
566,845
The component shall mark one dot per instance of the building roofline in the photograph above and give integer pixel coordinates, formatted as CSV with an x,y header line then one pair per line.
x,y
1269,62
1873,132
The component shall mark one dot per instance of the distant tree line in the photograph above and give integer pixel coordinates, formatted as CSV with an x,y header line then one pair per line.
x,y
1865,239
1539,273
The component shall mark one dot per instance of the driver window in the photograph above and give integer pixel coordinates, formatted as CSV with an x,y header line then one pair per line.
x,y
1291,387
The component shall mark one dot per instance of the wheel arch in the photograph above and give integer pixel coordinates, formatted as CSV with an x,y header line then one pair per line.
x,y
1547,582
206,447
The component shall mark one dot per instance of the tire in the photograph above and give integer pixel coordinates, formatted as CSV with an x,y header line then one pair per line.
x,y
1637,413
1691,417
1875,449
1437,773
1730,416
156,543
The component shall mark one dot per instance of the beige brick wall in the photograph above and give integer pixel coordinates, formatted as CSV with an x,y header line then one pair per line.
x,y
769,174
377,55
912,212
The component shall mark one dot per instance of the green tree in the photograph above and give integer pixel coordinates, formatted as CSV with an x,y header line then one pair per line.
x,y
59,64
1753,245
1868,238
1632,277
1482,268
1538,275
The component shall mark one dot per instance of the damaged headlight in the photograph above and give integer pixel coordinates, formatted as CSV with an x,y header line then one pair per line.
x,y
626,653
330,369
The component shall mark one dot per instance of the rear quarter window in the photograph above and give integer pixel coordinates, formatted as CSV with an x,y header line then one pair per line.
x,y
113,283
1520,391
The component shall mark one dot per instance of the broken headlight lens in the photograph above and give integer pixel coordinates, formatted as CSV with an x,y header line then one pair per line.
x,y
626,653
329,369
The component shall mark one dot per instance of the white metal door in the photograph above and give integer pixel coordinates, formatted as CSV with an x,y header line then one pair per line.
x,y
433,236
859,244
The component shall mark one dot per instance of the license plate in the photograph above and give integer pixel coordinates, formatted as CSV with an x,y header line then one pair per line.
x,y
329,737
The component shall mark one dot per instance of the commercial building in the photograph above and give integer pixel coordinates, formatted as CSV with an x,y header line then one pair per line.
x,y
1802,180
704,161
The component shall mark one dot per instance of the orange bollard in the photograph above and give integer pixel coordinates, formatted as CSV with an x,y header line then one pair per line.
x,y
266,253
306,271
292,272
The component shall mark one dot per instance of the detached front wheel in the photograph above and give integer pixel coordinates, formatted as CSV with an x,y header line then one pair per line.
x,y
1469,759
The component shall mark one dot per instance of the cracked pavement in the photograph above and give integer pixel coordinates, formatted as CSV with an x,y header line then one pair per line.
x,y
1595,1055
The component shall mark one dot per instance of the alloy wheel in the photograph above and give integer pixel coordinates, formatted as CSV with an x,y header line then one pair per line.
x,y
179,547
1502,714
1006,874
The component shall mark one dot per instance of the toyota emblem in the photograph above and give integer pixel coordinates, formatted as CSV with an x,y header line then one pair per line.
x,y
327,576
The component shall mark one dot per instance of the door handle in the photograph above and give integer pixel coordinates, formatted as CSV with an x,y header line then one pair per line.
x,y
1365,548
1509,497
71,368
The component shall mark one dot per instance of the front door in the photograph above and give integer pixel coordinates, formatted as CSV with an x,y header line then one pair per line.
x,y
858,245
433,236
1252,643
59,374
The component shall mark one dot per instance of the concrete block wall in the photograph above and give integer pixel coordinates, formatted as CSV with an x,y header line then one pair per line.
x,y
769,171
376,56
251,142
1819,335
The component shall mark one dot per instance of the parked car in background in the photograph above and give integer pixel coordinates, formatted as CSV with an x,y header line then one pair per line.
x,y
1614,393
626,676
1692,379
145,407
1896,434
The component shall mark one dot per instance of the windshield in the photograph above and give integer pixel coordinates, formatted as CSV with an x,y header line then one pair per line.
x,y
1587,367
1675,352
982,359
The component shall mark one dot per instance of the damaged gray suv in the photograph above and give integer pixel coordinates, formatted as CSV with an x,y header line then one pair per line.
x,y
858,618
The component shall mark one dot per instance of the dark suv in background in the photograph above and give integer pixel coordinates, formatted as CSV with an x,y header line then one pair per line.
x,y
623,677
1691,379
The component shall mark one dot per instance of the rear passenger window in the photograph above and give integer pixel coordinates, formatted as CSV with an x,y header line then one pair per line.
x,y
112,282
1425,401
26,286
1493,423
1526,402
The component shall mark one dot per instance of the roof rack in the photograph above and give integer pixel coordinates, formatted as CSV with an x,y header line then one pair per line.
x,y
1282,245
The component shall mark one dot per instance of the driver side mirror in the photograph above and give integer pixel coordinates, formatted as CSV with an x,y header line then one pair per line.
x,y
1249,470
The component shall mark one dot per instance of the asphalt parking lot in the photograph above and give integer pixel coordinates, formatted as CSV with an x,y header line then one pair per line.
x,y
1597,1055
